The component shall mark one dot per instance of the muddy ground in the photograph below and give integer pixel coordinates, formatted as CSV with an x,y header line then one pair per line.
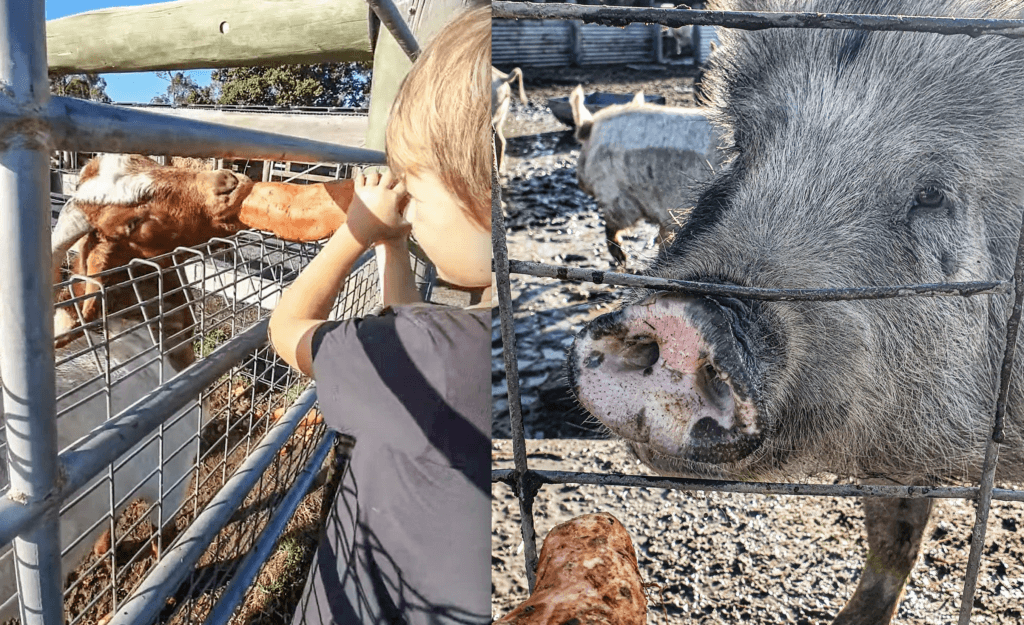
x,y
715,557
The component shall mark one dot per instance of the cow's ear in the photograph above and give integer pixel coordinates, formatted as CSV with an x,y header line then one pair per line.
x,y
580,115
639,97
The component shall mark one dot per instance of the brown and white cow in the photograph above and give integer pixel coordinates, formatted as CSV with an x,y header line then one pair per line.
x,y
129,207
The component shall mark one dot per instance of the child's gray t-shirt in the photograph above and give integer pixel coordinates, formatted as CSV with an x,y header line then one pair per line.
x,y
408,541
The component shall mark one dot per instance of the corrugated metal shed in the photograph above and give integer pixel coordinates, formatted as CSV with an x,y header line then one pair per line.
x,y
531,43
602,45
553,43
704,36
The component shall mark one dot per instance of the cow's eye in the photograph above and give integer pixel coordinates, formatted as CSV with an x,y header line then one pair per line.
x,y
930,197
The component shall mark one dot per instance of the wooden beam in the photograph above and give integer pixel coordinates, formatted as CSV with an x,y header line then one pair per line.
x,y
203,34
391,64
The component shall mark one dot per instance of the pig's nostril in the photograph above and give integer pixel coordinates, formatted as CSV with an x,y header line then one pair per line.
x,y
641,355
715,385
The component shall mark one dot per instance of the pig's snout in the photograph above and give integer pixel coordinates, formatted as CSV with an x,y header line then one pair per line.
x,y
667,374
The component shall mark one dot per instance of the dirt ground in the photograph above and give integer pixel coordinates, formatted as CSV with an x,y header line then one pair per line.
x,y
714,557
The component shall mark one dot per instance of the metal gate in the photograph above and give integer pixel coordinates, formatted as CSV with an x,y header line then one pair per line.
x,y
227,447
526,482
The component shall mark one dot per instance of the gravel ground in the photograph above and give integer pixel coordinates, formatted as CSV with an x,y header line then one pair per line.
x,y
732,558
715,557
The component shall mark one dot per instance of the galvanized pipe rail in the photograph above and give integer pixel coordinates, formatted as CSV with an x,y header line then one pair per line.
x,y
88,457
526,482
26,353
391,17
250,567
150,597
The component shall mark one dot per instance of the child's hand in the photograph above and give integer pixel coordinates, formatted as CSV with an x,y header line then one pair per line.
x,y
375,214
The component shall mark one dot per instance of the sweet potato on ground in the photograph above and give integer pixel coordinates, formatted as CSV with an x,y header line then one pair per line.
x,y
587,575
297,212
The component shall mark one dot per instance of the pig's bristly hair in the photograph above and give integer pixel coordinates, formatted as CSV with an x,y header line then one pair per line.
x,y
829,133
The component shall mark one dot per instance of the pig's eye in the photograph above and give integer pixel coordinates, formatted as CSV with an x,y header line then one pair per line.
x,y
931,201
930,197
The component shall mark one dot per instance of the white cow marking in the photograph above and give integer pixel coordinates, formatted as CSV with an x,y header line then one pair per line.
x,y
112,185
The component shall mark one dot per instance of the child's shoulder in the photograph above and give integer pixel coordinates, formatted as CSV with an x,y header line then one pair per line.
x,y
427,314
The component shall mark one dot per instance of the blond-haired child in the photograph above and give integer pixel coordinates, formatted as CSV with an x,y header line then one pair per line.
x,y
409,540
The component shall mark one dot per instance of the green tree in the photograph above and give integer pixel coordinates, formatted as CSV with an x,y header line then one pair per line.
x,y
323,84
81,86
182,89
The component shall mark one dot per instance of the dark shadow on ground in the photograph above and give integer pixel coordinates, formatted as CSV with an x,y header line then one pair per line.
x,y
543,144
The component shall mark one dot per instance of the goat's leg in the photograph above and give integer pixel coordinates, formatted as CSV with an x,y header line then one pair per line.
x,y
895,528
611,232
499,147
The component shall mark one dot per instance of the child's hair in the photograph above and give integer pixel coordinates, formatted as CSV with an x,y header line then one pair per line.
x,y
440,119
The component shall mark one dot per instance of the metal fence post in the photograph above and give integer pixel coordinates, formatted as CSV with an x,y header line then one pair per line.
x,y
26,321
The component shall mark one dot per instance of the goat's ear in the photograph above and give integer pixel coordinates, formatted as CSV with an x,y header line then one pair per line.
x,y
580,115
518,73
639,97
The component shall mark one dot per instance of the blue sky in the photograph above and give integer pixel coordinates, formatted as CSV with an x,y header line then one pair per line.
x,y
133,87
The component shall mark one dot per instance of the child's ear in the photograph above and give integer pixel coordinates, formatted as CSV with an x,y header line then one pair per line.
x,y
580,115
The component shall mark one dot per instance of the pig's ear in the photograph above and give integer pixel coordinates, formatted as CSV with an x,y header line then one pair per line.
x,y
639,97
580,115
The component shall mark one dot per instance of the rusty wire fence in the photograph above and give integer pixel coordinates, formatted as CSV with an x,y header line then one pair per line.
x,y
526,482
253,418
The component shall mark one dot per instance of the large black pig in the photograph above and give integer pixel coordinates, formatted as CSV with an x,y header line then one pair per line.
x,y
856,158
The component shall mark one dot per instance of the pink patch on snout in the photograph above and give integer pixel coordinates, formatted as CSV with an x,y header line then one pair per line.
x,y
662,398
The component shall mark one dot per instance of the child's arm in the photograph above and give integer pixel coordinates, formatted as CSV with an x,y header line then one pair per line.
x,y
372,216
399,279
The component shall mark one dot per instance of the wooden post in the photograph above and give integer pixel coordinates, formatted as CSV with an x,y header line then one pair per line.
x,y
656,34
267,168
576,39
390,63
220,33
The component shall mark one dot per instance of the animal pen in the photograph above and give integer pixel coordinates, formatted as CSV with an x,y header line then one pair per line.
x,y
242,414
526,482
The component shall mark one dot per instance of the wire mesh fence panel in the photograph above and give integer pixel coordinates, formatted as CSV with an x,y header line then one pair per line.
x,y
141,326
526,483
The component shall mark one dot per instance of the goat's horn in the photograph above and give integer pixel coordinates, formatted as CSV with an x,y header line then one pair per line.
x,y
71,226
